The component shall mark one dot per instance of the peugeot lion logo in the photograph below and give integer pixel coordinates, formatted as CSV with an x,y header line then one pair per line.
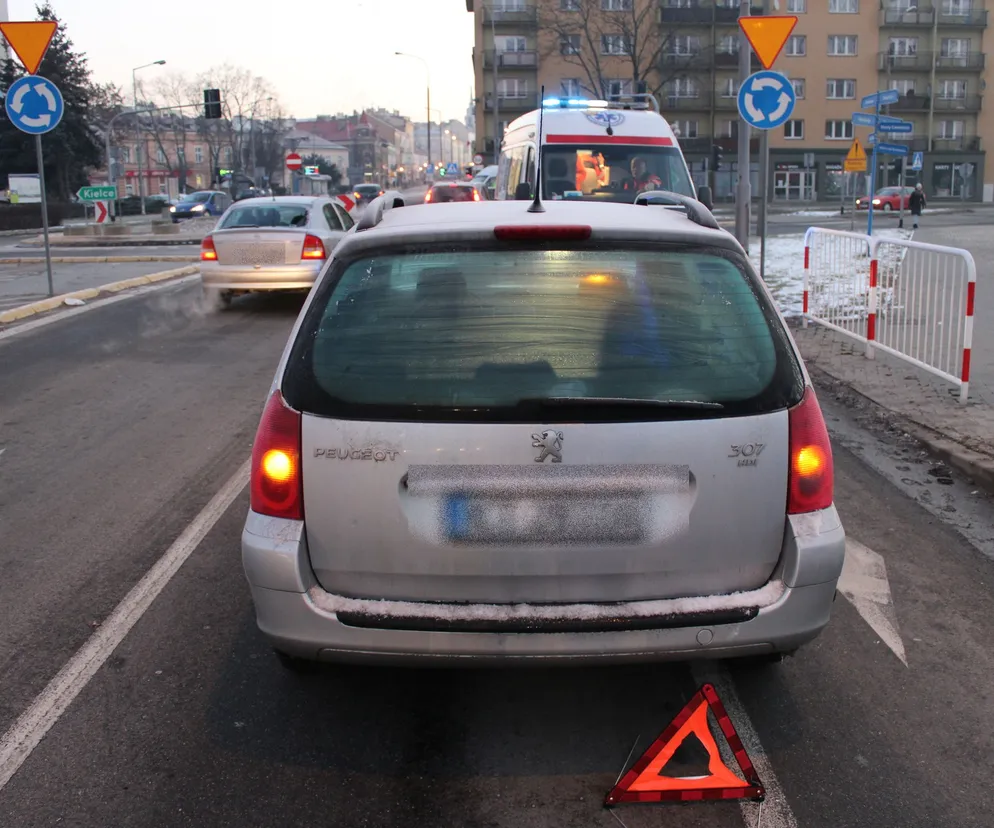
x,y
551,443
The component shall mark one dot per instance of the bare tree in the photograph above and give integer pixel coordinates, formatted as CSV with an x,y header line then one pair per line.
x,y
603,38
173,98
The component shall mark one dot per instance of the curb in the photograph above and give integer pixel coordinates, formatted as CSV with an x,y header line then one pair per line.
x,y
120,241
99,259
978,467
45,305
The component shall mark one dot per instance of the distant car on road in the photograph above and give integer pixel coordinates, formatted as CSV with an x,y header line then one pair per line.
x,y
199,204
365,193
273,243
886,199
442,192
486,181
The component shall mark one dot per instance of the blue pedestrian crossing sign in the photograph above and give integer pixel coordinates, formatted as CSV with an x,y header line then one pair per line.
x,y
766,100
34,104
452,169
917,161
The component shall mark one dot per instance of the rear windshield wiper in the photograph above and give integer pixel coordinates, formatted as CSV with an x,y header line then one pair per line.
x,y
629,402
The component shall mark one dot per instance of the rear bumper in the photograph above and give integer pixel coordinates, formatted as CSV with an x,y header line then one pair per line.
x,y
248,277
299,618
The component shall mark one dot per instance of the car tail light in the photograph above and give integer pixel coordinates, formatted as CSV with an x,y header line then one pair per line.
x,y
207,251
277,482
313,248
356,196
427,196
476,195
812,473
548,232
381,192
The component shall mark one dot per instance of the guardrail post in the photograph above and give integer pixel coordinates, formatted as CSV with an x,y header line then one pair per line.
x,y
804,284
871,314
971,289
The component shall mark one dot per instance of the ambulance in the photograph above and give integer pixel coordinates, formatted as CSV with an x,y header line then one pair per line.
x,y
594,151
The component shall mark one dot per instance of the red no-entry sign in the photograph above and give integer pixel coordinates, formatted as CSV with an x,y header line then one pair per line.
x,y
293,162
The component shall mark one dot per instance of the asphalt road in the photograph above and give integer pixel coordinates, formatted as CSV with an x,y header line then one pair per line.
x,y
118,425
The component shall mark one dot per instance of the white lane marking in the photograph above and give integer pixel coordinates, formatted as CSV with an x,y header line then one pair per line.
x,y
31,726
775,811
864,584
25,327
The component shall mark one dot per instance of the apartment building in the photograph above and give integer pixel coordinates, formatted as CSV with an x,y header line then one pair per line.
x,y
931,51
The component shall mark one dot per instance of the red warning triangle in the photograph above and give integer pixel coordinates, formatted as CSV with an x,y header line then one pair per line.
x,y
644,782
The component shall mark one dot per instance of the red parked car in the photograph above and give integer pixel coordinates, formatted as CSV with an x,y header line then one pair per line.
x,y
886,199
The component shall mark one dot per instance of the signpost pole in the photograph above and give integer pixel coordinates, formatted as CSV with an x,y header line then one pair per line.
x,y
873,177
743,193
904,172
764,182
44,214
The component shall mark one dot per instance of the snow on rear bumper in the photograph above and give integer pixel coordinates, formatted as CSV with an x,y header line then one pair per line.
x,y
302,619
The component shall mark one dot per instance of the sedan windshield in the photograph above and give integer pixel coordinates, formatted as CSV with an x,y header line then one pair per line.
x,y
198,198
265,215
612,173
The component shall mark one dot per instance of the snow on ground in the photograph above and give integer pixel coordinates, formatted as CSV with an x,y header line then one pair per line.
x,y
785,266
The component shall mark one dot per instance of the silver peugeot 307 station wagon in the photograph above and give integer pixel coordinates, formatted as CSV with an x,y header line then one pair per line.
x,y
583,433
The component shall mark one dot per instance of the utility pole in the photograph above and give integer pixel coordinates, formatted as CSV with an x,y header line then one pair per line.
x,y
743,191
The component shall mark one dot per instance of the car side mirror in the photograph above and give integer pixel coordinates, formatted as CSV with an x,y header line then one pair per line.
x,y
523,192
704,196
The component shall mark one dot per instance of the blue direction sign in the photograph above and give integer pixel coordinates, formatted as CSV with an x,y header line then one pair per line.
x,y
864,119
871,139
892,149
887,96
34,104
917,161
766,100
894,125
452,169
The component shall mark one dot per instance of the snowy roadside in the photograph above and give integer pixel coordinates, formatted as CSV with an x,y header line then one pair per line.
x,y
785,266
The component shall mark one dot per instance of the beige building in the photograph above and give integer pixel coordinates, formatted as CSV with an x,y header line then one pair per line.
x,y
686,53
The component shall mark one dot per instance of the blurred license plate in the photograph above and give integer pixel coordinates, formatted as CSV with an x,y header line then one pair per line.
x,y
545,520
258,254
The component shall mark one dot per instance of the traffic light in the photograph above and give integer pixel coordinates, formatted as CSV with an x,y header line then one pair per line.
x,y
212,104
715,157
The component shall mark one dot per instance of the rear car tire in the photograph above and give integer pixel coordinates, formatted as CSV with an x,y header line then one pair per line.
x,y
298,666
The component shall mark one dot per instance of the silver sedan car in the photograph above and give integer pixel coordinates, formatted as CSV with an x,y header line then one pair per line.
x,y
572,435
266,244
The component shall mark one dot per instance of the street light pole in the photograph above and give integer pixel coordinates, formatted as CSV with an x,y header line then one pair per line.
x,y
428,97
743,192
138,137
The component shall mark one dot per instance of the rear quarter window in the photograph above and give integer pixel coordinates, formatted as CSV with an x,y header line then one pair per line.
x,y
482,334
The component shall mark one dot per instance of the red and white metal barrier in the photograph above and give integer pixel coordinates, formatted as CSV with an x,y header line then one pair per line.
x,y
910,299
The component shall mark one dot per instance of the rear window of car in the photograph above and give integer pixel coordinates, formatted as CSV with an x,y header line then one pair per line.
x,y
449,192
367,189
265,215
502,334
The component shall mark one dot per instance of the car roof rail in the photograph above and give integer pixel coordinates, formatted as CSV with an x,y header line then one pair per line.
x,y
374,212
696,212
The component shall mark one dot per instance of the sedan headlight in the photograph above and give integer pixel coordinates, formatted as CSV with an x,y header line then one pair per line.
x,y
172,209
876,201
198,209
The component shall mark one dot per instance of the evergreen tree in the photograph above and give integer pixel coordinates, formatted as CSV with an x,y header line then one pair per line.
x,y
73,146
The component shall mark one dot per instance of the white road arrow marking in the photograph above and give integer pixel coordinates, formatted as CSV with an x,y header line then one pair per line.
x,y
18,103
756,114
36,123
864,584
782,106
43,90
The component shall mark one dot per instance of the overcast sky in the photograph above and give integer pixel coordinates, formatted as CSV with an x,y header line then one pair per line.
x,y
323,56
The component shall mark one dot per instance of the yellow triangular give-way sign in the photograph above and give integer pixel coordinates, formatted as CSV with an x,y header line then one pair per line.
x,y
767,35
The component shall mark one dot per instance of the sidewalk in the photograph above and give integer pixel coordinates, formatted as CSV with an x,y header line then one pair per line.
x,y
921,404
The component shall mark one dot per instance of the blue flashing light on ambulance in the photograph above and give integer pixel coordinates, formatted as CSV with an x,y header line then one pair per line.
x,y
595,150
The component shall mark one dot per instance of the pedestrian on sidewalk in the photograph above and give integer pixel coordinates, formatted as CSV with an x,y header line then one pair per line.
x,y
917,204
